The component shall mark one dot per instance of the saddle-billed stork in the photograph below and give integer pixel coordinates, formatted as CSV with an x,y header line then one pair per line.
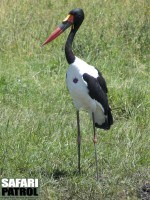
x,y
86,84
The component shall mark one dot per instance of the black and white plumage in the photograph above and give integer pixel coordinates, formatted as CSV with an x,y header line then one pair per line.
x,y
88,90
86,84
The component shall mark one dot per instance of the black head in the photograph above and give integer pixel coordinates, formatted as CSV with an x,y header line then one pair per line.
x,y
74,19
78,16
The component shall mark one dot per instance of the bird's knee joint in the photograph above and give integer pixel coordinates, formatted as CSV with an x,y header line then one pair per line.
x,y
95,140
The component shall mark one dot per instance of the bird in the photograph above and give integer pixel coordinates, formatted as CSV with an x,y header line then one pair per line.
x,y
85,83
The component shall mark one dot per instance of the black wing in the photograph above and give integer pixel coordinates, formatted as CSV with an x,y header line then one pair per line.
x,y
102,82
98,91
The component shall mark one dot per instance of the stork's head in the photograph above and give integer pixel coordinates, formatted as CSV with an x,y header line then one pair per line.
x,y
74,19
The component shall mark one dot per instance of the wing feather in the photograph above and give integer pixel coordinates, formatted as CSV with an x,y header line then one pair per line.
x,y
98,91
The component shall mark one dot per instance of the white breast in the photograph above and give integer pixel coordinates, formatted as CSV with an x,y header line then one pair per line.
x,y
78,87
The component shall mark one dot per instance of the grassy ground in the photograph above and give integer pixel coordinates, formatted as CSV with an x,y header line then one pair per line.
x,y
37,118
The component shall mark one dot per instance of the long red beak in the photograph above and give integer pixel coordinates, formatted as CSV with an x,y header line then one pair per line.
x,y
68,21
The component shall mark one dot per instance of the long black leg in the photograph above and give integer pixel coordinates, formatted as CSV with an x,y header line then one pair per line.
x,y
95,141
78,139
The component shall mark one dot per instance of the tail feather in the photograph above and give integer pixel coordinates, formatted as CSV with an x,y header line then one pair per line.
x,y
110,117
103,121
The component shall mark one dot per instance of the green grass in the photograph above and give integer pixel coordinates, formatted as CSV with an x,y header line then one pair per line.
x,y
37,117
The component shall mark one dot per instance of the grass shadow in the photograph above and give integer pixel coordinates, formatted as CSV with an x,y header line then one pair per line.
x,y
58,174
144,192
